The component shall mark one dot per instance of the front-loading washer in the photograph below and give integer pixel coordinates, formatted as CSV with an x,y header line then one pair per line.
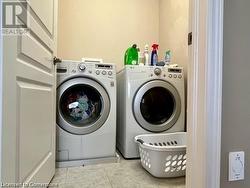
x,y
150,100
86,112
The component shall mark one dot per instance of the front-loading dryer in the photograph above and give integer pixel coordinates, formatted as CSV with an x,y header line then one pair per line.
x,y
150,100
86,112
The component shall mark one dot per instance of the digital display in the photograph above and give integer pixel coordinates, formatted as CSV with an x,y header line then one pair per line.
x,y
102,66
61,70
174,70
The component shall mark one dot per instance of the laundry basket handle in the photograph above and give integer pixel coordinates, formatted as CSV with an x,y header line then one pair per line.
x,y
140,141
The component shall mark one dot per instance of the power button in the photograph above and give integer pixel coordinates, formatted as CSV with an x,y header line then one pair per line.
x,y
97,72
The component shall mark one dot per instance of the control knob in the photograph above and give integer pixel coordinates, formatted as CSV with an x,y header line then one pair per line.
x,y
157,71
82,67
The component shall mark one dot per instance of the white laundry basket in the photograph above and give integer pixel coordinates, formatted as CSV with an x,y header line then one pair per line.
x,y
163,155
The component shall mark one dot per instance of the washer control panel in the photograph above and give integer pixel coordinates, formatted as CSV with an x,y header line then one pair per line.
x,y
104,69
94,69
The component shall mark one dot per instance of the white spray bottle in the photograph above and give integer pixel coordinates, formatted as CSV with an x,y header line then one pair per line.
x,y
146,55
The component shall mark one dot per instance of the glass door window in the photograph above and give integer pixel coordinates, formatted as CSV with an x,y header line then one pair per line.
x,y
81,105
157,105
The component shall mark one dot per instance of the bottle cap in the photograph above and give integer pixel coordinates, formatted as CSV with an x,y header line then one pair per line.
x,y
134,46
155,46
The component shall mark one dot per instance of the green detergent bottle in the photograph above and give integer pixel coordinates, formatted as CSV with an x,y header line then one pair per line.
x,y
131,56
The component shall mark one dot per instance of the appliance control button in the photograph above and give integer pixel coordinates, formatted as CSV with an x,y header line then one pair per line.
x,y
180,76
157,71
170,76
97,72
104,72
175,76
81,67
90,71
110,73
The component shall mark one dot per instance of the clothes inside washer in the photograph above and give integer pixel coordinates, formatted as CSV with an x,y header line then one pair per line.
x,y
82,109
81,105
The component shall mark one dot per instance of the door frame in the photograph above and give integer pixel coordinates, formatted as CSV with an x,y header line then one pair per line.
x,y
205,94
206,56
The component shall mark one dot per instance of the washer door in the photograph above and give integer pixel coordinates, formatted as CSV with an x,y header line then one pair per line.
x,y
157,106
83,106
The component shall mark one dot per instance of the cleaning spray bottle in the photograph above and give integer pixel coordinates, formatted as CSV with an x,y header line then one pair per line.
x,y
146,55
168,57
141,58
154,55
131,56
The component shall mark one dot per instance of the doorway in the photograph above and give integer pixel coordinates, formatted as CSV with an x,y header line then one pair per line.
x,y
105,29
210,14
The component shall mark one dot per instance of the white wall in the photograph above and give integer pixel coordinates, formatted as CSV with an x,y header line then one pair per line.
x,y
174,30
236,89
106,28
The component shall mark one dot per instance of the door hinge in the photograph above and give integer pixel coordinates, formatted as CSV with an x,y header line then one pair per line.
x,y
190,38
56,60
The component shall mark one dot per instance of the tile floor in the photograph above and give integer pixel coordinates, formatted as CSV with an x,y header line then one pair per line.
x,y
125,174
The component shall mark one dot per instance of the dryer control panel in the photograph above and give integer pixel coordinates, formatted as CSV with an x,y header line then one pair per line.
x,y
166,72
155,72
175,73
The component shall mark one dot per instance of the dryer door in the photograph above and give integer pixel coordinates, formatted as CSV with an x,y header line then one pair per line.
x,y
83,106
157,106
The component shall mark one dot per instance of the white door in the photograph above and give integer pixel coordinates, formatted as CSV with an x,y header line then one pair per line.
x,y
28,132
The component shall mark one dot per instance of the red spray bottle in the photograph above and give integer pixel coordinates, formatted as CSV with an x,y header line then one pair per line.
x,y
154,55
